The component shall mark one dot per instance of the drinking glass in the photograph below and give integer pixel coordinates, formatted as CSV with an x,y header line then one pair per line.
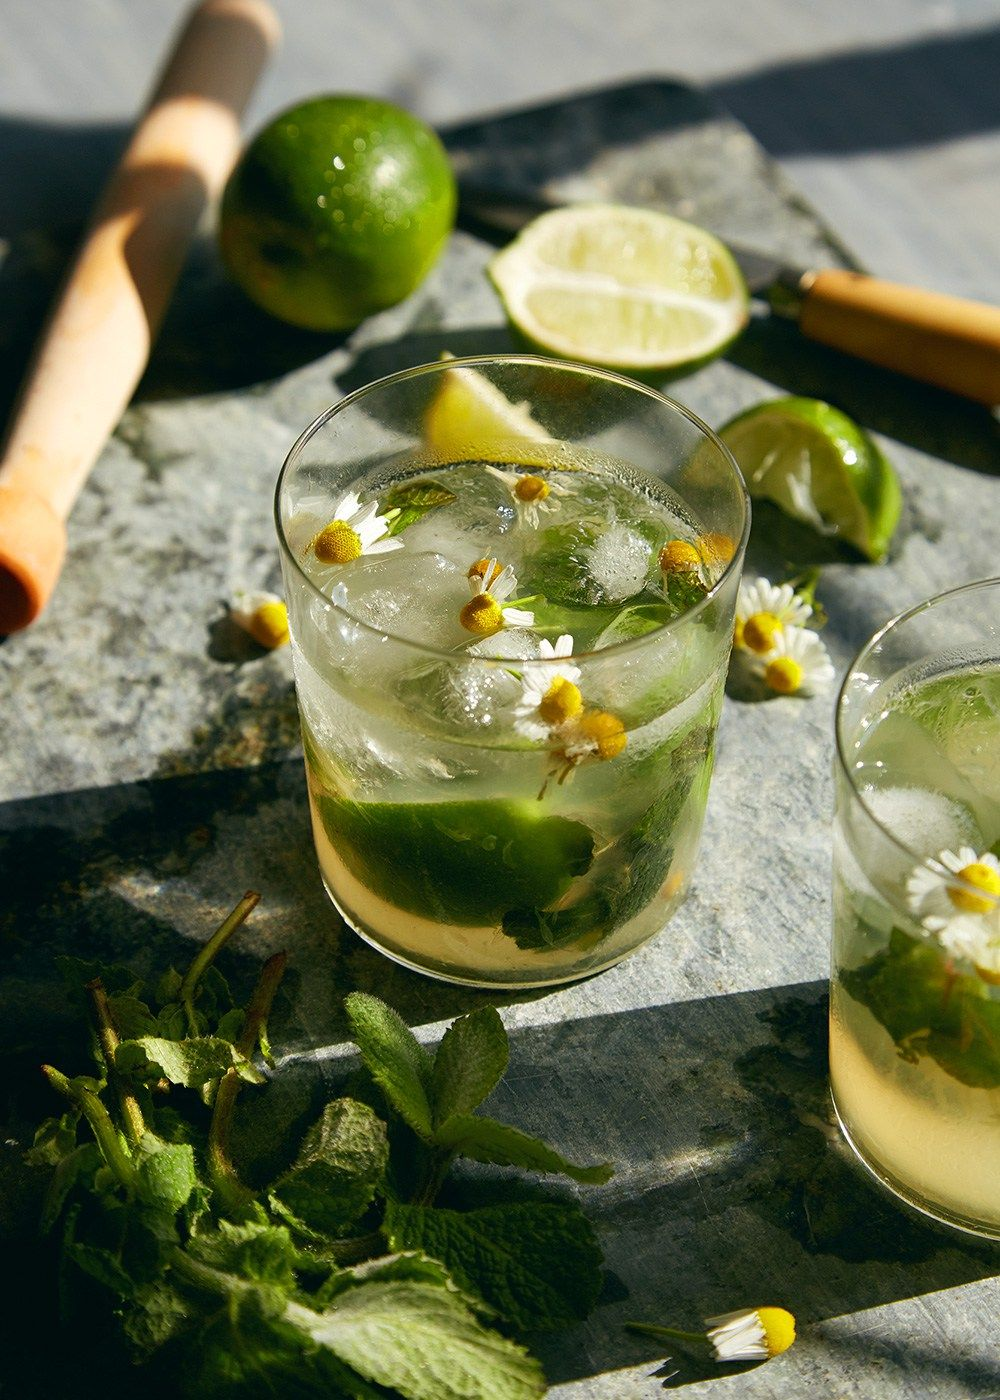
x,y
448,837
915,993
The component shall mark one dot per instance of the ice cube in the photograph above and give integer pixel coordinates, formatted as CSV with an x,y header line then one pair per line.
x,y
514,642
471,527
926,822
460,695
619,562
412,595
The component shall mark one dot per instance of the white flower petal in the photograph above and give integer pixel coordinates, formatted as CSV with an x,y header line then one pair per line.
x,y
518,617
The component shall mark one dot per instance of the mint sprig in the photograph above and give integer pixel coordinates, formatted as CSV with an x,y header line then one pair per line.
x,y
325,1280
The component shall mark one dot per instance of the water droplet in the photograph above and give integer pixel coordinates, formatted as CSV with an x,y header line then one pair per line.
x,y
359,143
338,163
321,200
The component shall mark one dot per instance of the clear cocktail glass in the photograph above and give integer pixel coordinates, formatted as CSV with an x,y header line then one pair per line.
x,y
915,993
500,802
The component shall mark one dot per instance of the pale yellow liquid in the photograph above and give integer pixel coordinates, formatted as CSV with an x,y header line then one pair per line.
x,y
931,1138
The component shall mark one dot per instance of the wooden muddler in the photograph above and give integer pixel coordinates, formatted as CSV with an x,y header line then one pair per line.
x,y
98,339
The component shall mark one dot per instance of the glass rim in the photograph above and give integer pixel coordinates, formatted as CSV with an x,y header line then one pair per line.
x,y
928,862
544,362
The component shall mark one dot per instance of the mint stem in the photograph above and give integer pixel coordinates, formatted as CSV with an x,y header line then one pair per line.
x,y
207,954
113,1150
437,1171
107,1036
237,1197
670,1334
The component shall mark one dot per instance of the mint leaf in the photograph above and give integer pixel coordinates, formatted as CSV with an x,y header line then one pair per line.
x,y
413,499
469,1064
101,1264
192,1062
261,1253
157,1314
537,1263
395,1059
165,1175
484,1140
460,862
912,989
421,1340
132,1017
338,1170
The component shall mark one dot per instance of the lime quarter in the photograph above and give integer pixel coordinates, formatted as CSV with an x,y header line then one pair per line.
x,y
820,467
623,287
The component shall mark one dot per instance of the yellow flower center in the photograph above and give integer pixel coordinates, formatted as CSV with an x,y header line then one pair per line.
x,y
715,548
479,568
606,731
531,488
269,625
982,877
337,543
759,632
779,1329
679,557
561,702
482,614
784,675
738,632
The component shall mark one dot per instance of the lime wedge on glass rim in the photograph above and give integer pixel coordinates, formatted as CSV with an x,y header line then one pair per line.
x,y
820,467
469,417
627,288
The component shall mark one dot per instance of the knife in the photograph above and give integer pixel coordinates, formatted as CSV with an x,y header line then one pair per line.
x,y
942,340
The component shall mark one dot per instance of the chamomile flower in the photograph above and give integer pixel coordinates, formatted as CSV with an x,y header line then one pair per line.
x,y
679,557
550,696
763,609
593,735
797,664
533,495
263,615
487,611
966,917
354,530
752,1334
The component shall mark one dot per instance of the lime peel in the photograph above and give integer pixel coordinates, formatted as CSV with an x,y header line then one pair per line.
x,y
818,466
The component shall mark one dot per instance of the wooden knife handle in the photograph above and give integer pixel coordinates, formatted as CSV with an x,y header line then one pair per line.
x,y
98,338
942,340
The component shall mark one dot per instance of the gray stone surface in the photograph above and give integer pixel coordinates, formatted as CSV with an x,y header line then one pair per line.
x,y
149,777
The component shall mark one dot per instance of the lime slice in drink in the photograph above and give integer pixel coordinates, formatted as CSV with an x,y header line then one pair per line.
x,y
469,418
628,288
820,467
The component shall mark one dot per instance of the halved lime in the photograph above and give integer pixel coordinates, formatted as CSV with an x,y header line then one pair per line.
x,y
469,418
818,466
628,288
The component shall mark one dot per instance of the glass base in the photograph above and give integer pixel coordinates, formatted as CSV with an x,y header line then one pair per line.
x,y
903,1193
480,983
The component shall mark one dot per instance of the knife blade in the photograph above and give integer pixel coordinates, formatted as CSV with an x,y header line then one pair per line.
x,y
943,340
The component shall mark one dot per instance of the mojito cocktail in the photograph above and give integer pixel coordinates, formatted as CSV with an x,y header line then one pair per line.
x,y
511,588
915,997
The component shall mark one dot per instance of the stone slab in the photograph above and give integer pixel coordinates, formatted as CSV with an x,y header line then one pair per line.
x,y
149,774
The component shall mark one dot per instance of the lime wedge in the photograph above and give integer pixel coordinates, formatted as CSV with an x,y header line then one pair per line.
x,y
461,862
628,288
469,418
820,467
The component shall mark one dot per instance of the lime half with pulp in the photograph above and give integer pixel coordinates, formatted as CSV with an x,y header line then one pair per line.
x,y
627,288
820,467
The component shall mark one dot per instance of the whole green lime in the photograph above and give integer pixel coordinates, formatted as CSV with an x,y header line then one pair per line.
x,y
337,209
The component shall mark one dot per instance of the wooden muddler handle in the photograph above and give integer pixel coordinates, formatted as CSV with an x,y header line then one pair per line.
x,y
942,340
98,339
